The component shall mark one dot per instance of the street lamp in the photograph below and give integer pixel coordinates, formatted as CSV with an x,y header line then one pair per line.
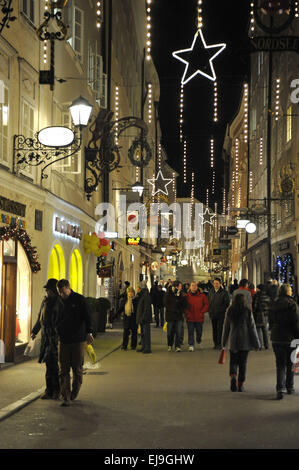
x,y
80,110
250,227
163,249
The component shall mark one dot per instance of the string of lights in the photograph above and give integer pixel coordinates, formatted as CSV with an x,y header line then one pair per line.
x,y
148,29
192,194
261,150
224,202
213,181
245,124
207,197
215,101
185,161
250,181
277,99
181,112
233,190
116,113
99,15
45,44
199,15
150,103
252,21
212,150
296,9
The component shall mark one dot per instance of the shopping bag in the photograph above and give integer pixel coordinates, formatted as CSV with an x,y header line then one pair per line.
x,y
165,327
91,353
295,367
222,356
32,348
139,330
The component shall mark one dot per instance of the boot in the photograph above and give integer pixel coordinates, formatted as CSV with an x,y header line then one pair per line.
x,y
240,387
233,383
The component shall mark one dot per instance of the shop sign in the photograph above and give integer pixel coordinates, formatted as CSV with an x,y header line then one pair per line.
x,y
105,271
8,219
133,241
275,44
65,228
12,207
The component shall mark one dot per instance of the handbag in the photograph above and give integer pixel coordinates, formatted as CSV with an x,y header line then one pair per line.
x,y
32,348
222,356
165,327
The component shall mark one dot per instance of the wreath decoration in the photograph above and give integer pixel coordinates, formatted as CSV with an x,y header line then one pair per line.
x,y
146,152
22,236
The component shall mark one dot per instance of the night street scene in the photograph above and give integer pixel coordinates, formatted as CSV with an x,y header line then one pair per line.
x,y
149,230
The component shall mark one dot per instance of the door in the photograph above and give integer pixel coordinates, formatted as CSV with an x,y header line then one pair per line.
x,y
9,289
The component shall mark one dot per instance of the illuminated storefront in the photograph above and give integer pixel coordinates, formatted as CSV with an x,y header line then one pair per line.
x,y
56,263
76,272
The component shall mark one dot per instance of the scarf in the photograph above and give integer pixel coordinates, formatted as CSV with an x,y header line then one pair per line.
x,y
129,307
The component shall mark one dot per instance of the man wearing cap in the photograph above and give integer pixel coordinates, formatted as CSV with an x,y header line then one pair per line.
x,y
46,322
144,318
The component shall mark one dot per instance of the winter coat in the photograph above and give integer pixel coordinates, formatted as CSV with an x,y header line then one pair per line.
x,y
74,322
219,301
156,296
47,322
246,293
174,306
283,320
260,308
196,306
144,307
242,336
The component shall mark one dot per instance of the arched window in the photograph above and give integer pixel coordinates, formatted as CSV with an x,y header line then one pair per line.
x,y
76,272
56,263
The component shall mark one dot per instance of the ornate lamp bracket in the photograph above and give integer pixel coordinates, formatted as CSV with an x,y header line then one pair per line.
x,y
7,10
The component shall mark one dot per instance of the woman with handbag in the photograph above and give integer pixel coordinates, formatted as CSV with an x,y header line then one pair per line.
x,y
240,331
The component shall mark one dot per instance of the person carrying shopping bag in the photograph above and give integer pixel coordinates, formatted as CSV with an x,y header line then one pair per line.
x,y
240,331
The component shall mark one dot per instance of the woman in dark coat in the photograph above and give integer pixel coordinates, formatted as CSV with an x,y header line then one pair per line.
x,y
284,327
240,328
129,309
144,317
46,322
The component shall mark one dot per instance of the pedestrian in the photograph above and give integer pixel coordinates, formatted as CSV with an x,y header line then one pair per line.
x,y
182,332
240,331
233,287
196,306
243,289
284,327
174,307
130,326
260,310
144,317
218,303
272,289
156,294
74,329
47,322
186,287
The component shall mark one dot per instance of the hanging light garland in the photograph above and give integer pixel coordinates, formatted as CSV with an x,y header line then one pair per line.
x,y
181,112
207,197
213,181
277,99
233,190
252,21
199,14
148,29
45,45
99,14
261,150
245,124
192,194
185,161
296,9
215,101
250,181
224,202
116,113
150,103
174,187
212,151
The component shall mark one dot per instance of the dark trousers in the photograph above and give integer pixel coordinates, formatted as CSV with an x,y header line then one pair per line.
x,y
129,327
52,374
262,332
237,365
71,356
217,325
146,337
174,333
197,326
159,314
284,366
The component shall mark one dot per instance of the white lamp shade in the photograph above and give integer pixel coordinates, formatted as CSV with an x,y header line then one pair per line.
x,y
250,228
80,110
58,136
163,249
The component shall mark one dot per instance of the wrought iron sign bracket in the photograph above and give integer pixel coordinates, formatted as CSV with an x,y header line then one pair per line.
x,y
7,10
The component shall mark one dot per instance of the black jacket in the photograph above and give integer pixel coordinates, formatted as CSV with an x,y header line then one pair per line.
x,y
284,320
49,312
157,296
260,308
74,321
144,307
219,301
174,306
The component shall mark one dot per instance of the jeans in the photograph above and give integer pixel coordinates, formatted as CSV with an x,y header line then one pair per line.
x,y
238,363
217,324
129,326
197,326
174,331
262,332
52,374
71,356
284,366
159,312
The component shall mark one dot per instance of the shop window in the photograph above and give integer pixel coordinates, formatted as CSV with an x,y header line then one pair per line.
x,y
56,263
4,125
76,272
23,304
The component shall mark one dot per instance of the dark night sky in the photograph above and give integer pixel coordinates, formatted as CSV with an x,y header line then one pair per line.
x,y
173,28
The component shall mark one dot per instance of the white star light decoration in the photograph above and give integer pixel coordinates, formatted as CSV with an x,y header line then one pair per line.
x,y
199,37
207,217
155,182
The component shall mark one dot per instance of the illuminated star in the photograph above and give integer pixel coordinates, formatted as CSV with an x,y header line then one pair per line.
x,y
160,182
207,217
199,58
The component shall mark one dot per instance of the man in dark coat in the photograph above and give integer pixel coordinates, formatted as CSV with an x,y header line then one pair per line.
x,y
46,322
157,296
74,329
219,301
144,318
174,301
260,308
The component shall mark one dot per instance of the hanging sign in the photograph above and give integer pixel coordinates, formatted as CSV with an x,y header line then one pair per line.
x,y
133,241
275,44
105,271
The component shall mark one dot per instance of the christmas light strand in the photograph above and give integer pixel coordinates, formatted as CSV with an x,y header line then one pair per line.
x,y
296,9
215,101
148,29
99,15
212,151
277,99
150,103
245,124
181,112
199,14
252,21
45,44
224,202
116,113
213,181
207,197
233,190
185,161
250,181
192,194
261,150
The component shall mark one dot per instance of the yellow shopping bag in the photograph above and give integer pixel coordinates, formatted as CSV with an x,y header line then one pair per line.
x,y
91,353
139,329
165,327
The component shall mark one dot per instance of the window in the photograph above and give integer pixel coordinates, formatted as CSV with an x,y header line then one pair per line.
x,y
70,165
76,272
27,128
56,263
289,124
28,9
4,125
75,17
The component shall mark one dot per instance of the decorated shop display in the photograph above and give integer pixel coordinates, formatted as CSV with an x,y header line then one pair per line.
x,y
22,236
